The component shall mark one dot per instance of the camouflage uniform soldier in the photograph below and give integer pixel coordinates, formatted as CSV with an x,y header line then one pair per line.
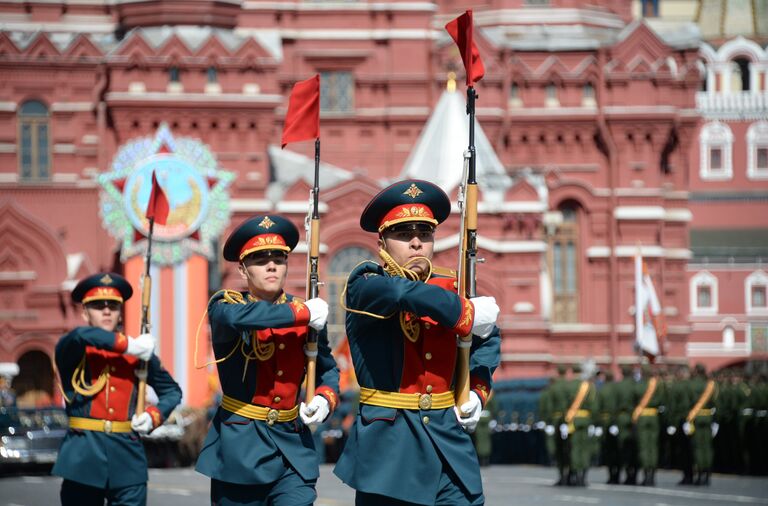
x,y
625,402
608,402
698,423
578,426
649,394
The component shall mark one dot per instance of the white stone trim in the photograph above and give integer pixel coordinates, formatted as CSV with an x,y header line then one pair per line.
x,y
71,106
334,6
250,205
628,251
493,245
7,106
7,147
680,214
359,34
298,206
716,349
64,148
301,247
703,278
511,207
547,16
759,278
523,307
715,134
639,213
757,137
156,96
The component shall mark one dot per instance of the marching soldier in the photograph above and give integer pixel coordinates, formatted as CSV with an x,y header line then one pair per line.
x,y
552,406
577,424
679,402
608,406
102,457
698,423
407,445
258,451
623,429
645,416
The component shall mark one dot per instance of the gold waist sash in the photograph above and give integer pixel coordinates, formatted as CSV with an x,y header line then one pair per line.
x,y
263,413
399,400
98,425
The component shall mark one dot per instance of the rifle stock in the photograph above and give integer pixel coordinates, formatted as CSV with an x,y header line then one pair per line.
x,y
146,295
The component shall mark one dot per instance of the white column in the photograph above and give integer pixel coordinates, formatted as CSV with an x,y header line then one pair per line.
x,y
711,81
754,78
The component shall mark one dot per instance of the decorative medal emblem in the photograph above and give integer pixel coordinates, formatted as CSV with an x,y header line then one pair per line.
x,y
413,192
106,280
266,223
195,186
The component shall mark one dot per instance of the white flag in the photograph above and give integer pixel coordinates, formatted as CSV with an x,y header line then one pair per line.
x,y
648,318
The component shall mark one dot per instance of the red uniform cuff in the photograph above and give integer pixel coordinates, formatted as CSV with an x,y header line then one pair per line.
x,y
481,388
463,326
157,417
300,312
121,343
329,395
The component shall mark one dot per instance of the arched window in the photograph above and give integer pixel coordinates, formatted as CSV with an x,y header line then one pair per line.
x,y
703,293
716,144
514,95
757,150
729,337
756,293
564,268
339,268
588,95
551,96
34,144
740,75
212,75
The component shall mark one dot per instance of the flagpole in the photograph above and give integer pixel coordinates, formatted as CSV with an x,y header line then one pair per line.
x,y
146,293
313,257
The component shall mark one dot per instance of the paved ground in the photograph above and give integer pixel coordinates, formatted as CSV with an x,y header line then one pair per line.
x,y
504,486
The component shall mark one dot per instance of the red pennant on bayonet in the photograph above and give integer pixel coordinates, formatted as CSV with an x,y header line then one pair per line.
x,y
460,30
302,121
158,206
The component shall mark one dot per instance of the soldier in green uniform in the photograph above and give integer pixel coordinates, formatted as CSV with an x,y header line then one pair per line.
x,y
623,429
577,424
649,395
482,435
698,423
552,406
608,407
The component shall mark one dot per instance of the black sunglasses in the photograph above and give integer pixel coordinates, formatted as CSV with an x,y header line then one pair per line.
x,y
113,305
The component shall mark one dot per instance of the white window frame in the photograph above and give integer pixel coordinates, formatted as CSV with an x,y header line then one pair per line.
x,y
703,278
759,278
729,336
757,137
716,135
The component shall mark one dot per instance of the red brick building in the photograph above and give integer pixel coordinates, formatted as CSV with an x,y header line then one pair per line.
x,y
590,118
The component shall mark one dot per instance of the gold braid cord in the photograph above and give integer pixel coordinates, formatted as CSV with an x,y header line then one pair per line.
x,y
409,322
253,350
80,385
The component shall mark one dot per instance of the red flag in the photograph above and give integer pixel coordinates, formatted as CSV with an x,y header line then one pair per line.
x,y
460,30
158,206
302,121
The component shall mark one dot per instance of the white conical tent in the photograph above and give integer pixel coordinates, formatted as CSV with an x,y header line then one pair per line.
x,y
439,152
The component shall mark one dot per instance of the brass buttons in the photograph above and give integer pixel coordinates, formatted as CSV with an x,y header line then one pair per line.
x,y
425,420
272,416
277,398
280,372
429,389
281,346
427,325
112,389
111,410
428,356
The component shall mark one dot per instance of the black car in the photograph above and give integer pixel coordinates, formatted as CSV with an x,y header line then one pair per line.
x,y
30,437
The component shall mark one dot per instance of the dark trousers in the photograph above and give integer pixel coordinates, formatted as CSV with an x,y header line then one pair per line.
x,y
289,490
76,494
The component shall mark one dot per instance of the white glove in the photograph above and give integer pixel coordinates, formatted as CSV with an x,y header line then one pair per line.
x,y
688,428
318,313
141,347
472,407
142,423
563,431
549,430
540,424
671,430
715,427
486,312
598,431
613,430
591,431
316,411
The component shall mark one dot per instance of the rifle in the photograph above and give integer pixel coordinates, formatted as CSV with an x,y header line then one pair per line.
x,y
146,293
467,271
312,228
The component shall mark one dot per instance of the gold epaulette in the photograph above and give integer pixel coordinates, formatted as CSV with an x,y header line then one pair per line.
x,y
444,271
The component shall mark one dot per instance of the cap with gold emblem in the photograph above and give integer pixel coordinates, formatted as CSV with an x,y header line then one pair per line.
x,y
412,200
102,286
267,232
